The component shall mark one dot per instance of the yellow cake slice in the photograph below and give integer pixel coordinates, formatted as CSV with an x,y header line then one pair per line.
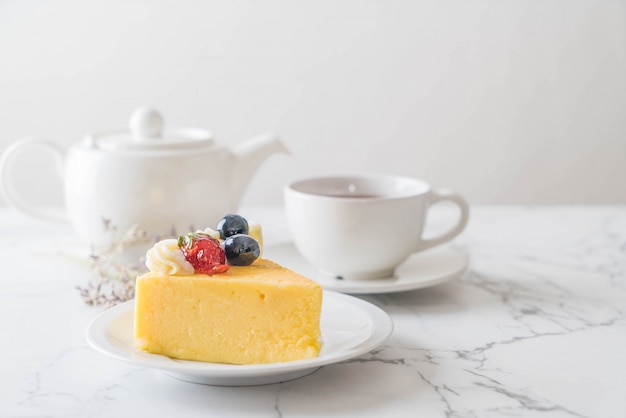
x,y
261,313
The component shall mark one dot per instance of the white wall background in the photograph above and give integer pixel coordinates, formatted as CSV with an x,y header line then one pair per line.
x,y
506,101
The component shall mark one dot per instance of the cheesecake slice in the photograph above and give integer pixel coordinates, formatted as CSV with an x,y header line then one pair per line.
x,y
261,313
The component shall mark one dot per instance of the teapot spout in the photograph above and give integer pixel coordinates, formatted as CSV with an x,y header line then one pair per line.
x,y
248,157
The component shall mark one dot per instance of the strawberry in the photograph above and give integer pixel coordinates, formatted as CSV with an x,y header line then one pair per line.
x,y
203,252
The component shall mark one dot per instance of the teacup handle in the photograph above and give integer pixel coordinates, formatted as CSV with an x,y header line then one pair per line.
x,y
8,185
441,195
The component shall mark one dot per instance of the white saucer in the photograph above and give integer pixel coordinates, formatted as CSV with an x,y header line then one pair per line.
x,y
424,269
350,327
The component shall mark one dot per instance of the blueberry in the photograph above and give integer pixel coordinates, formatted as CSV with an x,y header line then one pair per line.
x,y
241,250
232,225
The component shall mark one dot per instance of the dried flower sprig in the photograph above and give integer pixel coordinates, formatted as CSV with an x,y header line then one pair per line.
x,y
116,269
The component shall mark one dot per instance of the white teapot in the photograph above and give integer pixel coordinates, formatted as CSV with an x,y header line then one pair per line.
x,y
151,178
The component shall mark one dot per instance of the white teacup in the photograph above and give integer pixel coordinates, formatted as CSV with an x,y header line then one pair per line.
x,y
364,226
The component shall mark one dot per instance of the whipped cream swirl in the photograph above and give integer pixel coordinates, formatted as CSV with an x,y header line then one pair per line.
x,y
168,259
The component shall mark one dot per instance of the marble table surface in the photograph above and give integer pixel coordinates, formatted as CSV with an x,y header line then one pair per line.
x,y
535,328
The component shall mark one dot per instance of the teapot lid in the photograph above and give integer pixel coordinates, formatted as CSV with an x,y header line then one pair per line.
x,y
147,132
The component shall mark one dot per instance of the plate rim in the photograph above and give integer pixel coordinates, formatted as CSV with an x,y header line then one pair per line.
x,y
382,328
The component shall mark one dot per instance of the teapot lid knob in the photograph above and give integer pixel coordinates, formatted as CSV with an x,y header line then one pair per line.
x,y
146,124
148,133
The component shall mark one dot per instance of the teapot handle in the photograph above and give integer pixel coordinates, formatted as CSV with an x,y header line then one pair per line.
x,y
8,186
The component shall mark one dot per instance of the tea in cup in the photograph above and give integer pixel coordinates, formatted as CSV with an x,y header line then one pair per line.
x,y
364,226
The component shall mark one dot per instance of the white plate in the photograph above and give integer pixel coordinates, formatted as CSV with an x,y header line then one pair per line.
x,y
350,327
423,269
